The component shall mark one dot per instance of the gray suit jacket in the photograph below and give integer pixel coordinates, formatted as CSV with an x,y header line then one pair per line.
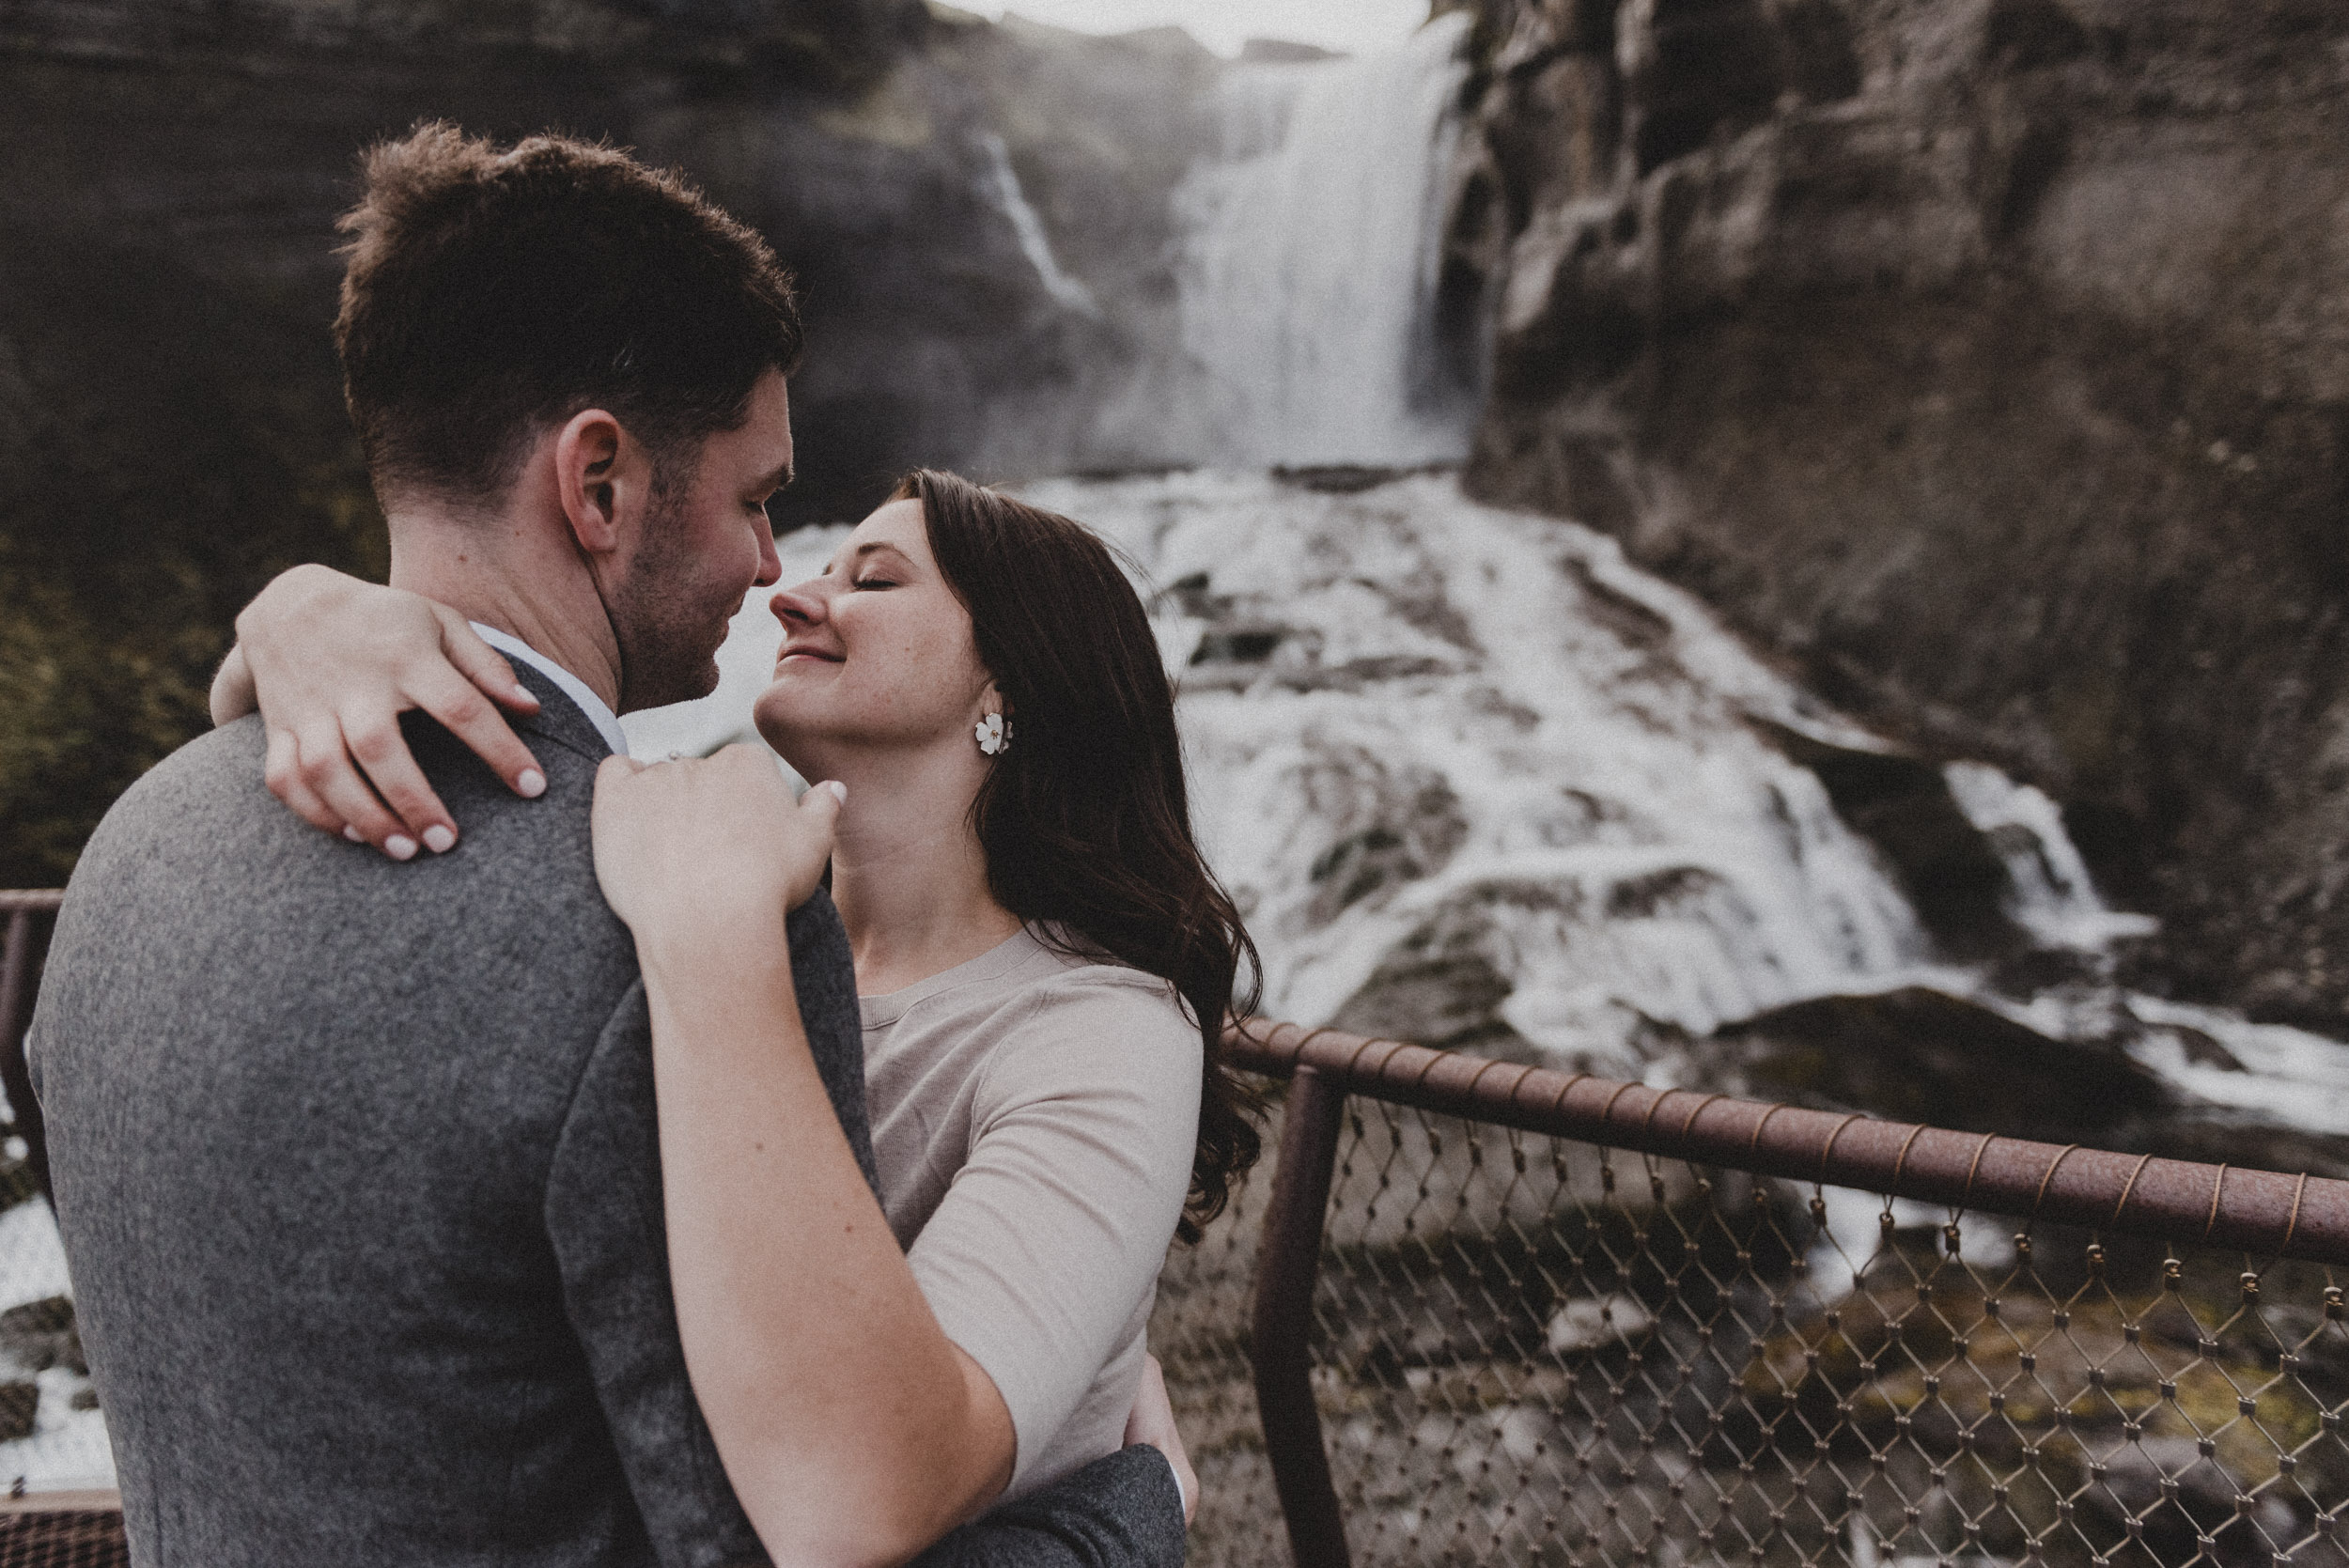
x,y
357,1169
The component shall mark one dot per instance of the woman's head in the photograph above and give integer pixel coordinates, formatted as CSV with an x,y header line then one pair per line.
x,y
878,657
993,605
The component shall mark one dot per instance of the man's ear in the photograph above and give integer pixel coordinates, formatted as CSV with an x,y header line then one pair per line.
x,y
604,478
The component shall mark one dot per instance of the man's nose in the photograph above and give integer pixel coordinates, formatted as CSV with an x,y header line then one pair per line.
x,y
770,567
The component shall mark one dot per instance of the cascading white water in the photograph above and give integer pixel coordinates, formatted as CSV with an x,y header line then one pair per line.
x,y
1422,728
1438,717
1311,261
1432,738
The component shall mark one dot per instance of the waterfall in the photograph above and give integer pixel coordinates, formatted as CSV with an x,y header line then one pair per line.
x,y
1308,280
1477,745
1002,183
1471,775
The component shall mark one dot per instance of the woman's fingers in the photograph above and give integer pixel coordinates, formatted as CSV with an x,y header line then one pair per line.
x,y
460,707
821,805
380,749
482,664
283,776
691,846
325,763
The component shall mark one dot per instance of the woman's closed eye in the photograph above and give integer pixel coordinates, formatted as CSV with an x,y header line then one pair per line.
x,y
875,583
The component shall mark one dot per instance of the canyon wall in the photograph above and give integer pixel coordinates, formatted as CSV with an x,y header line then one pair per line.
x,y
171,413
1988,362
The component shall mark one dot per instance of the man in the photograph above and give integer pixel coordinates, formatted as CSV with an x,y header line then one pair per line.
x,y
355,1161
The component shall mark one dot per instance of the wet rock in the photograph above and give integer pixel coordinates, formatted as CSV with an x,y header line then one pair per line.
x,y
2218,1137
1393,825
1284,52
1341,479
2182,1504
1926,1056
18,1402
1903,805
41,1334
1436,992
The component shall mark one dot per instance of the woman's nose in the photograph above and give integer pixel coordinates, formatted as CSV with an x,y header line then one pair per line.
x,y
800,606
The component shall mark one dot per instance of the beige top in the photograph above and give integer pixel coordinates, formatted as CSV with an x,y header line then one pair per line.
x,y
1033,1116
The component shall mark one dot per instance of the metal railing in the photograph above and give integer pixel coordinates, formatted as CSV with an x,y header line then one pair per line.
x,y
1477,1311
1495,1312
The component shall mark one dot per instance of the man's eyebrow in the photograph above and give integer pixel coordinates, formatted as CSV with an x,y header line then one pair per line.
x,y
776,478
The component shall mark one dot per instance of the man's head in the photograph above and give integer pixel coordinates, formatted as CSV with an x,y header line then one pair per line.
x,y
558,305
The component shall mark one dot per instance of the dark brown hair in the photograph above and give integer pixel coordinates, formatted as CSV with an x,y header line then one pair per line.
x,y
491,293
1085,818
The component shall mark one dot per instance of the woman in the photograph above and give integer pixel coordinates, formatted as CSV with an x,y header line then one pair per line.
x,y
1046,961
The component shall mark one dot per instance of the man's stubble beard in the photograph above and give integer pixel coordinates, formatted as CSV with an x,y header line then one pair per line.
x,y
667,654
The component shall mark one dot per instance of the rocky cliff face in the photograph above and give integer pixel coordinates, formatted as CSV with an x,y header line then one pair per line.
x,y
1989,358
170,414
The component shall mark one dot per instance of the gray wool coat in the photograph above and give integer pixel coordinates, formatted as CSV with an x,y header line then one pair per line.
x,y
357,1170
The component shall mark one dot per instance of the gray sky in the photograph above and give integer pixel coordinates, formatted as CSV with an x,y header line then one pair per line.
x,y
1353,25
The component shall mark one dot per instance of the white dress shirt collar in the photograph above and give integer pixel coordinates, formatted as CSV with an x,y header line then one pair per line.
x,y
606,722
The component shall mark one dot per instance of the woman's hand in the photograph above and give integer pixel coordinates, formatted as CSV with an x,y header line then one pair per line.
x,y
331,662
708,849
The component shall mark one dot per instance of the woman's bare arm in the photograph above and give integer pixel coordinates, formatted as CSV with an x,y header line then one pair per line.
x,y
331,662
853,1431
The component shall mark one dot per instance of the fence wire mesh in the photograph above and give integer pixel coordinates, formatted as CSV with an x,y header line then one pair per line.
x,y
1530,1350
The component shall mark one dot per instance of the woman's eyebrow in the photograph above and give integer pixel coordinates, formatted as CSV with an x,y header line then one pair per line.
x,y
864,550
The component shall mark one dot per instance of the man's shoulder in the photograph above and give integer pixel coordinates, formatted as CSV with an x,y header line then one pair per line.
x,y
202,901
201,830
217,776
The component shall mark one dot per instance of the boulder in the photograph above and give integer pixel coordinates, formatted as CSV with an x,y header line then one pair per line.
x,y
1920,1055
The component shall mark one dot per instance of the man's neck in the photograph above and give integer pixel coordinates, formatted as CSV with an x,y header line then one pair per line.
x,y
526,580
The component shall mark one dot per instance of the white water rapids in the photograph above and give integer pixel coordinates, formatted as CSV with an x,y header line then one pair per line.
x,y
1419,725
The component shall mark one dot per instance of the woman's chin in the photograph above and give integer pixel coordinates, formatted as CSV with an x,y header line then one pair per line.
x,y
771,713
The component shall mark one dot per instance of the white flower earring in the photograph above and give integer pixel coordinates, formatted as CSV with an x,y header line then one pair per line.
x,y
993,735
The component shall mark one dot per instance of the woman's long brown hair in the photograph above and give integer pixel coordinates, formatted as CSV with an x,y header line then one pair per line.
x,y
1084,817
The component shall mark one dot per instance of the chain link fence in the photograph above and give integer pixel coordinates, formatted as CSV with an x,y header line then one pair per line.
x,y
1528,1348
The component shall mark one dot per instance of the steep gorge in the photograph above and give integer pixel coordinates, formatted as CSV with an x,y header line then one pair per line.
x,y
1988,360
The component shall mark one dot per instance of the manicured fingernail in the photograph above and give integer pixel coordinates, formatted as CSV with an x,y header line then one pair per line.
x,y
399,847
524,695
530,783
353,834
839,790
439,839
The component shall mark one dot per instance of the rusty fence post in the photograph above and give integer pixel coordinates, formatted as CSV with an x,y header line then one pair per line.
x,y
1286,1269
20,972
